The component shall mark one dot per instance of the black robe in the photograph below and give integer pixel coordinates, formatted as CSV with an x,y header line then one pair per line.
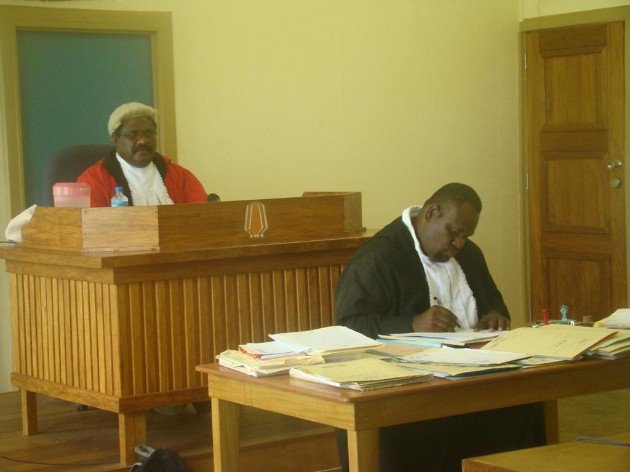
x,y
380,291
384,285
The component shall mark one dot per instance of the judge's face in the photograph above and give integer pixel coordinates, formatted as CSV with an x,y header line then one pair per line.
x,y
135,141
443,230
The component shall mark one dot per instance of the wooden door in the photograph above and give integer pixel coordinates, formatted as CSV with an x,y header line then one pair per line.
x,y
575,153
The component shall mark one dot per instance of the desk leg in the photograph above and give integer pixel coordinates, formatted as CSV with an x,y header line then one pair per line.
x,y
132,432
225,435
29,412
551,421
363,450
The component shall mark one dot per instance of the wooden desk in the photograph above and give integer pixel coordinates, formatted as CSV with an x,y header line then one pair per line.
x,y
123,330
362,413
574,456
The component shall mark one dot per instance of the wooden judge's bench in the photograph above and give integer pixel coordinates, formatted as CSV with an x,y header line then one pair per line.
x,y
114,308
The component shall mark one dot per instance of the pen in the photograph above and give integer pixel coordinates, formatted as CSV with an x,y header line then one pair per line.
x,y
436,301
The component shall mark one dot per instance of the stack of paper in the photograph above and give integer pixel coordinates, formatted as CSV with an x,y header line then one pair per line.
x,y
615,347
620,319
458,363
360,374
267,350
333,343
395,349
557,341
464,357
455,372
327,341
464,337
236,360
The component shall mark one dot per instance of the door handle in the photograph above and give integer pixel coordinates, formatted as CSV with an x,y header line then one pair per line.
x,y
614,164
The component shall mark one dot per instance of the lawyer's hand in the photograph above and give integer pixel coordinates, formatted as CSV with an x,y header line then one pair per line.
x,y
435,319
493,321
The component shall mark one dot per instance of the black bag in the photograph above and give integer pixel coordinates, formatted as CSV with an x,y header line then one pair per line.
x,y
159,460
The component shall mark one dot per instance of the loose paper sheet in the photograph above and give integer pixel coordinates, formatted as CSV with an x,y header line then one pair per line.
x,y
464,357
322,340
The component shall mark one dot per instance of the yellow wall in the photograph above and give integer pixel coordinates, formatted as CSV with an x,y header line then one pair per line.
x,y
392,98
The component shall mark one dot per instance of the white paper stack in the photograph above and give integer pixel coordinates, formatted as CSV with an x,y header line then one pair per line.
x,y
326,341
620,319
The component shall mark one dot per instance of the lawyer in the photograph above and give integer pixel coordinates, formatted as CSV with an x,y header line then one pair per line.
x,y
422,273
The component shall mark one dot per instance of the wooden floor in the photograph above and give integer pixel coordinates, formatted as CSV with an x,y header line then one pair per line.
x,y
597,415
89,439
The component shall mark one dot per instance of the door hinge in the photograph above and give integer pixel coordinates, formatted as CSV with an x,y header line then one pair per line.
x,y
525,61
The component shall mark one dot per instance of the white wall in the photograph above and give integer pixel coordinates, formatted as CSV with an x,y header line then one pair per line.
x,y
392,98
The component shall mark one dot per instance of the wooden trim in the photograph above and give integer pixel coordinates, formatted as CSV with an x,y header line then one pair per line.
x,y
604,15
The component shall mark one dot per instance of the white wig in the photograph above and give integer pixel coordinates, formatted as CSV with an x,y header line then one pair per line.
x,y
128,111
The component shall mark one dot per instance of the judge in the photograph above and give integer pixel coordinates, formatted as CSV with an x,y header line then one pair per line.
x,y
147,177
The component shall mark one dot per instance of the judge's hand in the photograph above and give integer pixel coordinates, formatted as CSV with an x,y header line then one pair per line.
x,y
435,319
494,321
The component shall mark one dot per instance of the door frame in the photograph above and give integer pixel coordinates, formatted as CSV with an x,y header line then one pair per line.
x,y
158,25
605,15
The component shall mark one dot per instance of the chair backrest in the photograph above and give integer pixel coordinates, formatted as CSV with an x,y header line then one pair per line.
x,y
66,164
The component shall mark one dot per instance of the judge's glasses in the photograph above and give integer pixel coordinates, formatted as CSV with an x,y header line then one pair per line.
x,y
134,135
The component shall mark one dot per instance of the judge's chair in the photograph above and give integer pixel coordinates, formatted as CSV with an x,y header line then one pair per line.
x,y
66,164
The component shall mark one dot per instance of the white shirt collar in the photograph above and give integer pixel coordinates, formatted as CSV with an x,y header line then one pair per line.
x,y
447,282
145,183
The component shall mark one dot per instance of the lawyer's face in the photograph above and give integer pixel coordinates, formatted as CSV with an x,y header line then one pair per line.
x,y
446,229
135,141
